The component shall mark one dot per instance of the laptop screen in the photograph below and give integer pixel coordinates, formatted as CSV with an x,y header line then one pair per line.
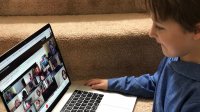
x,y
33,76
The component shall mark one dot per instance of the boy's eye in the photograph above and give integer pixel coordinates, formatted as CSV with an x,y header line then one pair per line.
x,y
159,28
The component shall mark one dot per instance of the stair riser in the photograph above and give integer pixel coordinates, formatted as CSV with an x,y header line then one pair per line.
x,y
106,57
69,7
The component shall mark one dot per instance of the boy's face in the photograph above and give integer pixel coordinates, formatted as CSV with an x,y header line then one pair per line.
x,y
174,40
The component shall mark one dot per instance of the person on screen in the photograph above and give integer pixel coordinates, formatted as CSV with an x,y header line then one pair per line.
x,y
38,72
33,79
37,104
9,96
64,75
52,48
38,92
24,95
27,104
44,62
17,103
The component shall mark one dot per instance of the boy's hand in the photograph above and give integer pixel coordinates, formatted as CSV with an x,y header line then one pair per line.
x,y
101,84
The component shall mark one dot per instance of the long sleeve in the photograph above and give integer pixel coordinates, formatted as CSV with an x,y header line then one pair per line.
x,y
143,86
138,86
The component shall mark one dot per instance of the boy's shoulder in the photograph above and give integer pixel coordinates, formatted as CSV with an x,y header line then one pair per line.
x,y
189,70
166,61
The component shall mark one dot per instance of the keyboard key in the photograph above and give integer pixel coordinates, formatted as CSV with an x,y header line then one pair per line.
x,y
75,107
73,101
78,104
84,92
71,104
69,108
77,95
75,98
79,92
83,95
81,98
80,101
99,98
88,107
83,104
98,101
75,91
100,95
94,107
82,107
92,101
86,101
74,110
66,111
80,110
90,104
96,104
94,96
86,110
87,98
89,95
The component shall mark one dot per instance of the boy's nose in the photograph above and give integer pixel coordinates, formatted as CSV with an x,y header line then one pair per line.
x,y
152,32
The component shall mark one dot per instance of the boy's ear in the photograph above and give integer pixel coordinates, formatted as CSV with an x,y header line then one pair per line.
x,y
197,32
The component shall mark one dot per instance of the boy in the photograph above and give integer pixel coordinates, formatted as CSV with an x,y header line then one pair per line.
x,y
175,86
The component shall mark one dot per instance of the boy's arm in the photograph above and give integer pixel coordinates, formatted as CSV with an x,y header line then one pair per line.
x,y
139,86
143,86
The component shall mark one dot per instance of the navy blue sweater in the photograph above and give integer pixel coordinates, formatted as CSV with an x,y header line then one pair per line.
x,y
175,86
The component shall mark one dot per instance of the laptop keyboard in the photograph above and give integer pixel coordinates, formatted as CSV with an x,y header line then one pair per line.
x,y
82,101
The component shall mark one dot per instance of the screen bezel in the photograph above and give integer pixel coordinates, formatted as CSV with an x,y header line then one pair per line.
x,y
21,44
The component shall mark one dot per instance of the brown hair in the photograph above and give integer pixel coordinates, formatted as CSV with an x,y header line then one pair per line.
x,y
184,12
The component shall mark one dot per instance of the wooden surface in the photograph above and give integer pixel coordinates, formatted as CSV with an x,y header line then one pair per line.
x,y
2,108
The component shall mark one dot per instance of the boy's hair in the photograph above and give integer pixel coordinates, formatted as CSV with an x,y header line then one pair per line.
x,y
184,12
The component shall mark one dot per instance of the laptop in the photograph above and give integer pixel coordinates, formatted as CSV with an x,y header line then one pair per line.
x,y
34,78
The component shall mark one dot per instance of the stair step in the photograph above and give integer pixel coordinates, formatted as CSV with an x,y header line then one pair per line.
x,y
69,7
92,45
